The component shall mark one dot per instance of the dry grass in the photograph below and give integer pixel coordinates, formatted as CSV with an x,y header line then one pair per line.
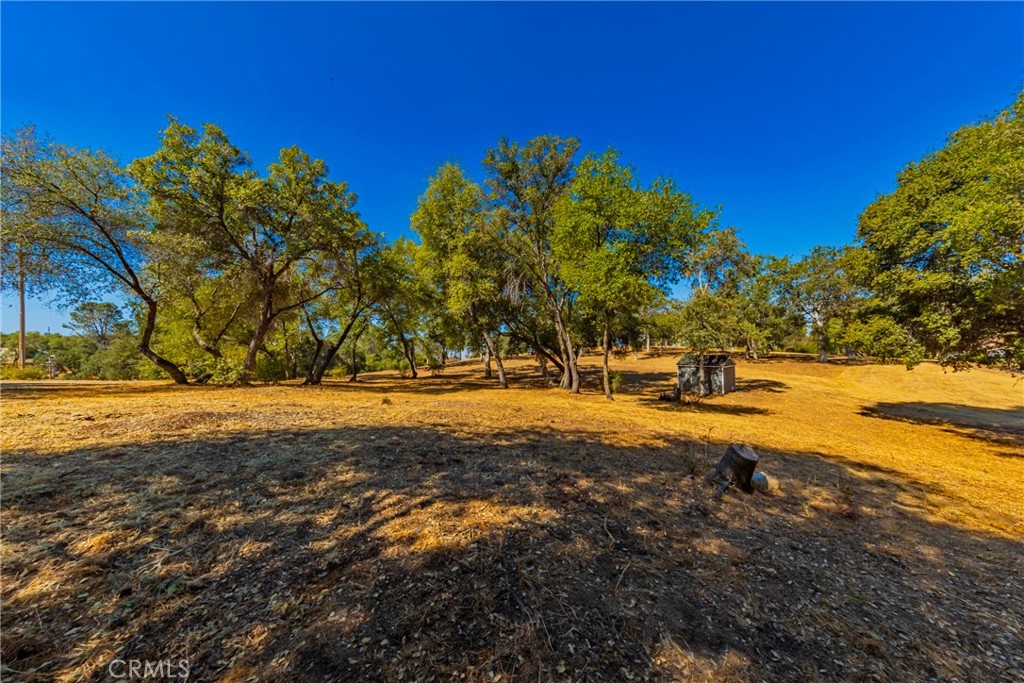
x,y
444,529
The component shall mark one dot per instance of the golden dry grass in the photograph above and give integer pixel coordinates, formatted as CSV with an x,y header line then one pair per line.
x,y
455,529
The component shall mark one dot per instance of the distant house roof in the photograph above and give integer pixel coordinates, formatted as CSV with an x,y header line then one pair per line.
x,y
710,360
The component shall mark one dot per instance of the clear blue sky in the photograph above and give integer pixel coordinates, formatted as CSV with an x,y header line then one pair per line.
x,y
792,116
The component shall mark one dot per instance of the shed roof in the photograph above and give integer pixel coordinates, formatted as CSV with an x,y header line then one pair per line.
x,y
711,360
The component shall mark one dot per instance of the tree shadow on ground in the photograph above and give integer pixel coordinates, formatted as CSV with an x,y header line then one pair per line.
x,y
998,425
74,388
833,359
403,553
706,406
768,385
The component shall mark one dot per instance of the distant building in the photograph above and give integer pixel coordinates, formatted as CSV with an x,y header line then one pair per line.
x,y
719,374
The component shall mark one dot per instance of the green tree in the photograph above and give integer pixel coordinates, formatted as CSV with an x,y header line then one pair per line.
x,y
819,287
619,245
360,283
404,300
525,182
706,322
765,320
459,255
96,321
26,268
86,214
945,251
281,228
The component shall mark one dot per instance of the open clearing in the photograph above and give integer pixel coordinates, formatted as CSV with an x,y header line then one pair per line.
x,y
444,529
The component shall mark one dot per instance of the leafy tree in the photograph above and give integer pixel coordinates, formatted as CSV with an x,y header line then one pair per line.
x,y
819,288
25,268
361,282
96,321
706,322
280,228
882,337
719,262
525,182
404,299
764,319
459,255
944,252
85,213
619,245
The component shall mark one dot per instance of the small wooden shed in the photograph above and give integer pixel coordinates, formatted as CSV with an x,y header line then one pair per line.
x,y
719,374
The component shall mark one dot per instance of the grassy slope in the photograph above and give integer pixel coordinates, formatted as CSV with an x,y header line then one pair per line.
x,y
461,529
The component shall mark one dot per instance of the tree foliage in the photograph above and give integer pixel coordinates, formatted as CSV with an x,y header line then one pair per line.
x,y
83,211
944,252
619,246
229,274
283,229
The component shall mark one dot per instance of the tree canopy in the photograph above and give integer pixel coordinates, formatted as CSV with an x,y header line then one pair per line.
x,y
943,254
227,273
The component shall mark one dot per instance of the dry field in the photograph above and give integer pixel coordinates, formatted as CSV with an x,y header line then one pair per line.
x,y
443,529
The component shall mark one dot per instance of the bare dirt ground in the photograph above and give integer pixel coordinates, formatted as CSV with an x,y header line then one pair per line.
x,y
443,529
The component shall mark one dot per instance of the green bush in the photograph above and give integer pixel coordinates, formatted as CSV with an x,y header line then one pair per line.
x,y
801,346
615,377
27,373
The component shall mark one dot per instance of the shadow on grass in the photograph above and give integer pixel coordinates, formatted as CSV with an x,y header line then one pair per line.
x,y
997,425
705,406
383,553
768,385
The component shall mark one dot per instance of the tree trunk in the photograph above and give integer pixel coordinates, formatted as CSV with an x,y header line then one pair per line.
x,y
319,364
265,321
548,354
355,352
606,378
355,361
147,334
823,341
647,342
21,309
736,466
409,350
566,380
203,344
491,351
571,375
702,389
311,368
487,360
291,363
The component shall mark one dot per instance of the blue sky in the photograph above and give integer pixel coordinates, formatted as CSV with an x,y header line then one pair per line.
x,y
792,116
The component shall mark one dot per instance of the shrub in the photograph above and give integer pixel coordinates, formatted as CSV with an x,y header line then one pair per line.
x,y
26,373
615,377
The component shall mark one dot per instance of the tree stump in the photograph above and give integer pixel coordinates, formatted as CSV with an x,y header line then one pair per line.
x,y
736,467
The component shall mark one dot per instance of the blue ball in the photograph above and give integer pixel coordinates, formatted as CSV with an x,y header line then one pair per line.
x,y
759,481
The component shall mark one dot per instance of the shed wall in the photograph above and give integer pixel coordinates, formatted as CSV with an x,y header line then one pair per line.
x,y
718,380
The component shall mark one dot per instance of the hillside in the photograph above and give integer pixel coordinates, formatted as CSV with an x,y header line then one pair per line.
x,y
399,529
